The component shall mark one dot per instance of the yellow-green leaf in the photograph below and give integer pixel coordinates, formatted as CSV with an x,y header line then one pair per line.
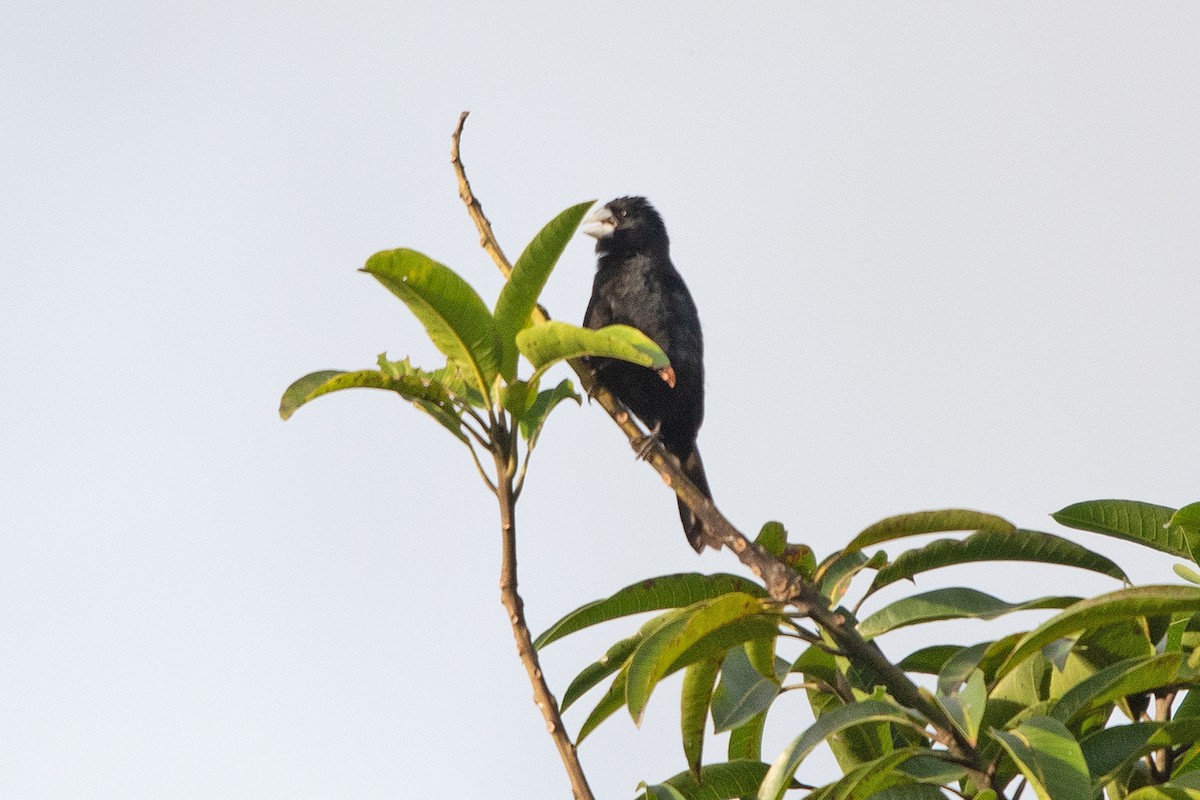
x,y
453,314
529,274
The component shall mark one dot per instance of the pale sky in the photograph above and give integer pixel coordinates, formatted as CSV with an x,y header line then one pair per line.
x,y
945,254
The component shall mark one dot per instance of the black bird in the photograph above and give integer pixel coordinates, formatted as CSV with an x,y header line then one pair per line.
x,y
636,284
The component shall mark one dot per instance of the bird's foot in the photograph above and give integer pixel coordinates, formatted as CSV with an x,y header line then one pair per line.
x,y
647,441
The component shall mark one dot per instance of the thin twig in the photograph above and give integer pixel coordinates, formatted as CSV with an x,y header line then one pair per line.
x,y
477,435
509,596
467,409
524,470
479,466
487,239
515,607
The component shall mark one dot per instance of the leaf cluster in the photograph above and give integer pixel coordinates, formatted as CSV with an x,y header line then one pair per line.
x,y
1093,699
478,394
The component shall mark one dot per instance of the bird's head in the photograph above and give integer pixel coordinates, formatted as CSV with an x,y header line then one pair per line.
x,y
626,224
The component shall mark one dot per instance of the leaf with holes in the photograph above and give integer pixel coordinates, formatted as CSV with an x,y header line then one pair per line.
x,y
431,398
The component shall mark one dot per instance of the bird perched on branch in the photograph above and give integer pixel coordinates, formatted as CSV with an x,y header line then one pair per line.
x,y
636,284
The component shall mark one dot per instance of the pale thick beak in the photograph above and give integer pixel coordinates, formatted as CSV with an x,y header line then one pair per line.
x,y
600,223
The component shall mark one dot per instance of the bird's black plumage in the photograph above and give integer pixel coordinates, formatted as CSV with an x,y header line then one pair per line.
x,y
636,284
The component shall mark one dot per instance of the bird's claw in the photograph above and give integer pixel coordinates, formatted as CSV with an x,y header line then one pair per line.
x,y
647,441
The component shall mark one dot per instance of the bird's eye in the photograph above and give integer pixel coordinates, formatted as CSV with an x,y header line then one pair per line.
x,y
623,213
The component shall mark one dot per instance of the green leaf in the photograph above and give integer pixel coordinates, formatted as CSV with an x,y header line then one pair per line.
x,y
529,275
745,741
1132,676
543,404
1018,694
928,660
655,657
867,779
697,692
1103,610
610,662
1172,642
653,594
609,704
837,571
660,791
1017,545
450,377
1187,573
952,603
743,692
453,314
779,777
920,792
908,767
1110,750
801,558
966,706
516,396
1189,779
944,521
1167,791
1189,707
1131,520
614,698
717,781
1058,653
1187,517
550,342
959,667
761,653
997,652
1049,758
814,662
773,538
304,389
1116,641
430,397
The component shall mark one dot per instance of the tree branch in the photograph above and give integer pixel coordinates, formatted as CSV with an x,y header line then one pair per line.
x,y
509,596
487,239
782,582
515,607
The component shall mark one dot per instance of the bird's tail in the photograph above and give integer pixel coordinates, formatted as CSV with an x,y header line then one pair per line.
x,y
693,468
